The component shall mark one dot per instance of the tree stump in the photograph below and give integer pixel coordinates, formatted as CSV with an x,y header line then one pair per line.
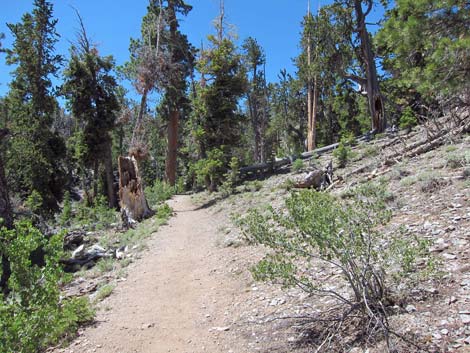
x,y
133,203
317,179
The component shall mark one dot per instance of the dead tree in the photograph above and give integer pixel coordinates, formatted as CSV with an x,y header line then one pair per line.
x,y
134,205
317,178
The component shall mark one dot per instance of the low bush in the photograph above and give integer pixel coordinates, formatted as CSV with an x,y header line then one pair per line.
x,y
97,216
160,191
297,165
342,154
34,315
319,231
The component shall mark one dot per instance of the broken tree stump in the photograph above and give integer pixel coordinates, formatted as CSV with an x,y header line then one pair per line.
x,y
134,205
317,178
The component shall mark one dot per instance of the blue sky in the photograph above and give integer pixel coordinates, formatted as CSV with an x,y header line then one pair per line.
x,y
111,23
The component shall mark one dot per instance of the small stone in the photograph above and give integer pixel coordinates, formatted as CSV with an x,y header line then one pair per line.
x,y
445,331
220,329
291,339
467,340
465,319
449,256
452,300
437,336
410,308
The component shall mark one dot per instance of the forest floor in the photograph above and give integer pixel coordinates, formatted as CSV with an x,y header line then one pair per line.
x,y
191,289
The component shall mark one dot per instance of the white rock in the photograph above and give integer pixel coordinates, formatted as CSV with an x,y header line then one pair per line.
x,y
465,319
78,252
410,308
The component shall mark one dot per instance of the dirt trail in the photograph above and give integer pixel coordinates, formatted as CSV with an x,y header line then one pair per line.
x,y
175,298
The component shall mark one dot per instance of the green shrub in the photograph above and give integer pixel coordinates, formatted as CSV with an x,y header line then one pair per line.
x,y
160,191
231,178
34,316
209,171
99,216
34,202
408,119
297,165
66,214
342,154
163,212
104,292
253,186
319,231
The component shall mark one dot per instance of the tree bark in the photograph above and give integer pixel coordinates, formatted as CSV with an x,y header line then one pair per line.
x,y
108,167
172,151
374,96
6,215
131,192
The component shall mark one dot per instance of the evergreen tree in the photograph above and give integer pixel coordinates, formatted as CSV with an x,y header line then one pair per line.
x,y
257,96
355,56
35,151
224,84
426,45
91,91
162,59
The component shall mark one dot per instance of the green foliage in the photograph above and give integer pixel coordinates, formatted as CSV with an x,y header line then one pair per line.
x,y
160,191
316,230
408,119
34,316
97,216
425,43
253,186
298,165
209,170
34,202
104,292
163,212
342,154
231,178
34,151
66,214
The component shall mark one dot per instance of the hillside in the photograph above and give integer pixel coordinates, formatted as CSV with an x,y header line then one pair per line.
x,y
192,289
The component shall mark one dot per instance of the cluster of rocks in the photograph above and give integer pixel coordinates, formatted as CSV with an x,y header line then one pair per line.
x,y
85,255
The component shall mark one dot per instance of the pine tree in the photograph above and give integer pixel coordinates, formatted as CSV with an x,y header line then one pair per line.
x,y
35,152
224,83
426,45
257,96
91,91
355,56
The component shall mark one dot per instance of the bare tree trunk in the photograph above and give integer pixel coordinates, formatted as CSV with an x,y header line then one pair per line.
x,y
6,215
133,203
311,98
171,157
108,167
172,151
374,96
138,124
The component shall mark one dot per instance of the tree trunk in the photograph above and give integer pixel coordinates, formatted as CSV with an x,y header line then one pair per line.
x,y
131,193
374,96
108,167
6,215
172,151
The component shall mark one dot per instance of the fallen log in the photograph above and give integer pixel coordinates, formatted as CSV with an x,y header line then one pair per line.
x,y
134,205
